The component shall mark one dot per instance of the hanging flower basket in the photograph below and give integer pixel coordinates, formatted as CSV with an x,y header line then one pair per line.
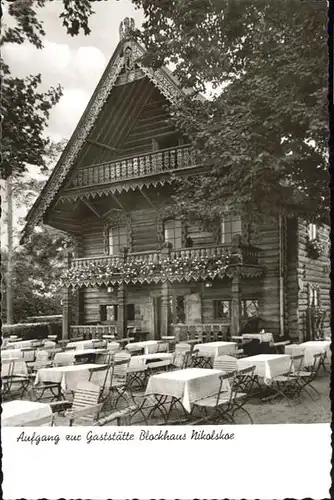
x,y
314,248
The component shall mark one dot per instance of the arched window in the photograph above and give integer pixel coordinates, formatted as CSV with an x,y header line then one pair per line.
x,y
173,232
118,239
230,226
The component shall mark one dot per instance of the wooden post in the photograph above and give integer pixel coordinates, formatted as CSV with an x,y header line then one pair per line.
x,y
235,304
122,319
165,309
122,311
66,304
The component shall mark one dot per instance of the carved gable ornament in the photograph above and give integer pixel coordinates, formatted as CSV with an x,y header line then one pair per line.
x,y
126,56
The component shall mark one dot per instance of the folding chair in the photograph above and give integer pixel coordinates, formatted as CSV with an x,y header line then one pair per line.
x,y
119,378
287,385
101,375
85,408
180,360
13,382
306,378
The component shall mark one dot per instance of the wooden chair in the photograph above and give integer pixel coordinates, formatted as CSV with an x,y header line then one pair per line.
x,y
182,347
162,346
180,360
225,363
101,375
11,382
85,408
306,378
119,378
287,385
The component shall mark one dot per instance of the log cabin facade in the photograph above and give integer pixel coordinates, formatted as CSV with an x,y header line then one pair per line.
x,y
134,266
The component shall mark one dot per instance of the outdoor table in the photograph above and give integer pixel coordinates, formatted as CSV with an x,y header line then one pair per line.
x,y
155,359
11,353
213,349
49,344
262,337
86,344
314,347
294,349
149,346
22,343
20,367
67,376
184,387
67,358
18,413
267,366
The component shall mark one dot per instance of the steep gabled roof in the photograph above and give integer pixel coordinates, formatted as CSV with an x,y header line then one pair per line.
x,y
162,78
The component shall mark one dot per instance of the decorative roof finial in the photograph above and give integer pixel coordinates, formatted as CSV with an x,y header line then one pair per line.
x,y
126,28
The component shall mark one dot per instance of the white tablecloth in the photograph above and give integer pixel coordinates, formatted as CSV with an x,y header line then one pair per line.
x,y
18,413
267,366
149,346
86,344
213,349
188,385
20,367
21,343
314,347
145,359
262,337
67,376
67,358
11,353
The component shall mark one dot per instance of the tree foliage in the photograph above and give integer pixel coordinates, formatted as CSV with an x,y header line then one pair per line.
x,y
264,133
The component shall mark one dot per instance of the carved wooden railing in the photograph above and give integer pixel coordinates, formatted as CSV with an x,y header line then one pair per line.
x,y
203,332
242,255
165,160
92,331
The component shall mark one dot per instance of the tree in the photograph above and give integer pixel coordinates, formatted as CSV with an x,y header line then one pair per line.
x,y
264,132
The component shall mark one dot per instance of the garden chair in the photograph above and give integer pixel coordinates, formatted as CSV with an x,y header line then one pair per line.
x,y
137,375
287,385
119,378
85,408
101,375
225,363
180,360
41,361
11,382
104,358
182,347
306,378
162,346
81,359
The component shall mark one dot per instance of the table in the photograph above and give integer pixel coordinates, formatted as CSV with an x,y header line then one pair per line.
x,y
11,353
22,343
149,346
67,376
20,367
213,349
185,386
19,413
86,344
314,347
267,366
67,358
262,337
165,358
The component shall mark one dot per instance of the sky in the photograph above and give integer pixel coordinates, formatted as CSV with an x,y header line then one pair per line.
x,y
76,63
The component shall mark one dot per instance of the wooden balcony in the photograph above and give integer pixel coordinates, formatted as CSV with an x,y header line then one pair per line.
x,y
165,160
188,264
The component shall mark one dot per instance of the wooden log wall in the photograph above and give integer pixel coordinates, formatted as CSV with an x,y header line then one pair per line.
x,y
314,273
291,280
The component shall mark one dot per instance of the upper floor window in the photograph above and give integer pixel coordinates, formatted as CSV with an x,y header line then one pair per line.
x,y
173,232
118,239
230,226
312,231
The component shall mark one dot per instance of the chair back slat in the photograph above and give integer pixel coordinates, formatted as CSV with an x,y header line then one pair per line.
x,y
225,363
86,394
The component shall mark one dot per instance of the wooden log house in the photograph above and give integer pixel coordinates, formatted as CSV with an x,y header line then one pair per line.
x,y
132,265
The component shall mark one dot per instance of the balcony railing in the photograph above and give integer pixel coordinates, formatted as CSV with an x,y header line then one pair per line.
x,y
165,160
190,264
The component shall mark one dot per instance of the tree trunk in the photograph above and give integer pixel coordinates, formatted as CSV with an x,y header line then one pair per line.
x,y
9,293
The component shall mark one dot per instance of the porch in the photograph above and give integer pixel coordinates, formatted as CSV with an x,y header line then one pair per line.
x,y
142,288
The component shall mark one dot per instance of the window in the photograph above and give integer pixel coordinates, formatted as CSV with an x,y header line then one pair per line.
x,y
249,308
165,142
179,310
312,231
173,232
221,309
110,312
314,297
230,226
118,239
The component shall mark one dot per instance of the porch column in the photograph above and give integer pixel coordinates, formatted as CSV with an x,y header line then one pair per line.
x,y
122,310
66,311
235,304
165,309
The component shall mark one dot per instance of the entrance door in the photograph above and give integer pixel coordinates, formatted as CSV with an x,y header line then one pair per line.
x,y
157,316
